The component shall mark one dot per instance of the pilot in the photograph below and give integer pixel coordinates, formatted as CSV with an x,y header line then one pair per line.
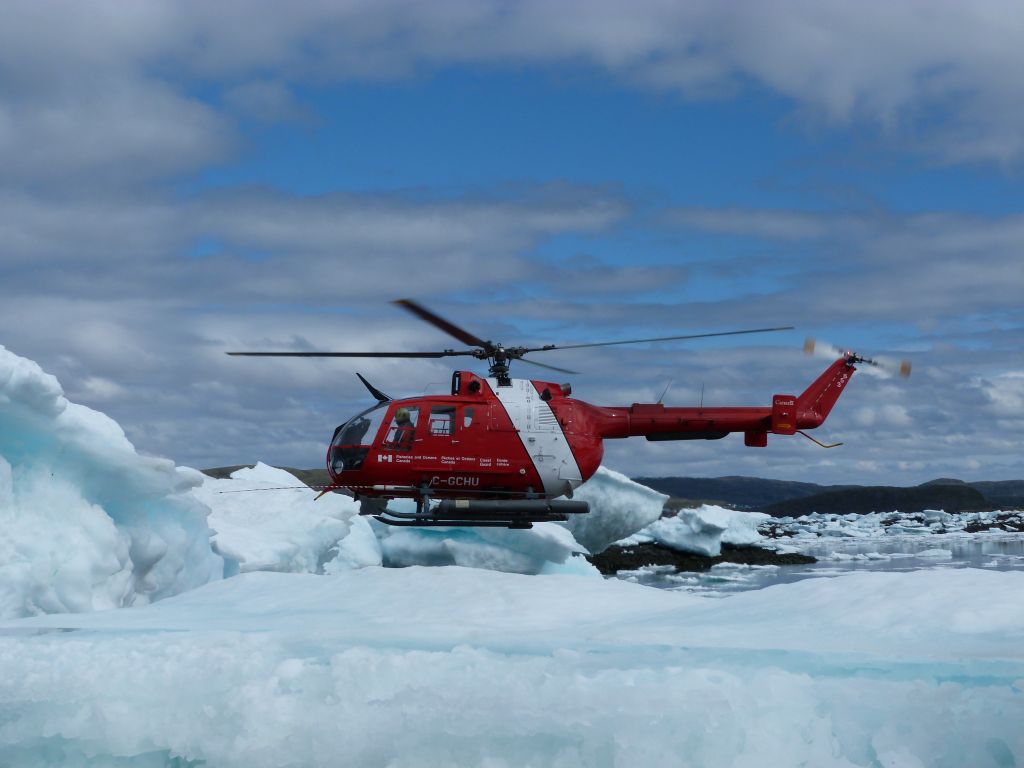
x,y
404,430
358,431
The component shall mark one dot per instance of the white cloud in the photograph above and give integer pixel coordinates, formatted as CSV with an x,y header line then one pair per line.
x,y
1005,393
104,104
910,269
100,80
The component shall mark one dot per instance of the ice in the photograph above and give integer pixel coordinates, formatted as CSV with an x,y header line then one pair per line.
x,y
267,519
698,531
618,507
546,548
359,549
935,554
454,666
845,557
88,523
894,524
703,530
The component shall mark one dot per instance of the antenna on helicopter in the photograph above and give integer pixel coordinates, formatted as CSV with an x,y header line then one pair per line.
x,y
664,392
380,396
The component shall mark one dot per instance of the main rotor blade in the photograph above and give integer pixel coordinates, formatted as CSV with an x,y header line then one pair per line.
x,y
445,353
439,322
551,367
660,338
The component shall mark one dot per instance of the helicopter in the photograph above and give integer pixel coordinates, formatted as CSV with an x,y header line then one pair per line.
x,y
504,452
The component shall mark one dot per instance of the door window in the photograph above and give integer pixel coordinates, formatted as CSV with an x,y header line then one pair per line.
x,y
442,420
402,429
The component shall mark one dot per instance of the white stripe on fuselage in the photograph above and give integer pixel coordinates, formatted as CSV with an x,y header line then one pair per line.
x,y
541,435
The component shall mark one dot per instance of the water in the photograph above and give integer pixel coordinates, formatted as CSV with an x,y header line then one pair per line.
x,y
997,551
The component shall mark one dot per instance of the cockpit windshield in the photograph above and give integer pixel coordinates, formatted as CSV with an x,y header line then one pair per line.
x,y
352,440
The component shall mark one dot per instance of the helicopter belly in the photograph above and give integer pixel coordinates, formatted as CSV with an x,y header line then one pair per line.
x,y
542,437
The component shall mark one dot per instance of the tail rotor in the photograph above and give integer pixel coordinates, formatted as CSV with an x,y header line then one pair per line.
x,y
886,365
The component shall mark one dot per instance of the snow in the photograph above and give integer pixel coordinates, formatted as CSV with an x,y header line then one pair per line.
x,y
618,507
268,520
703,530
88,523
455,666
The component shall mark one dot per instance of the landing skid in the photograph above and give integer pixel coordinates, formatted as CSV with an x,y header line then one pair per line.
x,y
440,523
484,514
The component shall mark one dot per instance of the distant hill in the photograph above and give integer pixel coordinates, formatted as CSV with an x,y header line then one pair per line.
x,y
861,500
735,491
1005,494
755,493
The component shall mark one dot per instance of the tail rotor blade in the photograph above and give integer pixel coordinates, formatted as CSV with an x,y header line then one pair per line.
x,y
888,365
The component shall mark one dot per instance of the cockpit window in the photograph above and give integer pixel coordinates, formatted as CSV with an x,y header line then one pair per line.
x,y
352,440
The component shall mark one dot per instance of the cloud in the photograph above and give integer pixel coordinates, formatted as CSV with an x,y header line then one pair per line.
x,y
267,101
130,290
101,82
1005,393
270,246
912,269
776,225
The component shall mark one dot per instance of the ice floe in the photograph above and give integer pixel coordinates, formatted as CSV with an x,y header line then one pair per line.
x,y
454,666
703,530
883,524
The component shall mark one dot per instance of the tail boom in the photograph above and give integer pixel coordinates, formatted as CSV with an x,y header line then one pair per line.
x,y
786,415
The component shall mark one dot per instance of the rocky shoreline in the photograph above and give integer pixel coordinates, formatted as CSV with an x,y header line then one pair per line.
x,y
627,558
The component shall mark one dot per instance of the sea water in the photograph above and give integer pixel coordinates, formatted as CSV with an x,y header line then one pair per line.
x,y
999,551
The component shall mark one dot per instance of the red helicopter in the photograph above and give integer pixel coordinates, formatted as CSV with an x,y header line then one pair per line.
x,y
502,452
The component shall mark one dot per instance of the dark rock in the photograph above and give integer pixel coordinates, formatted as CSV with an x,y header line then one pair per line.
x,y
616,558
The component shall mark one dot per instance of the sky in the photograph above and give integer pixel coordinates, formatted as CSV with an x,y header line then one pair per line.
x,y
180,179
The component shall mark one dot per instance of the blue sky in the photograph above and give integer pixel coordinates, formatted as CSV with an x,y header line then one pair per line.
x,y
182,179
457,130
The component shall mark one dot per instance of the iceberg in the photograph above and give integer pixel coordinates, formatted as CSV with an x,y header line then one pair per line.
x,y
266,519
703,530
618,507
88,523
531,551
456,666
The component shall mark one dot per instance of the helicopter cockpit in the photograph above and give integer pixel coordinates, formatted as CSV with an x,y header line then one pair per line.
x,y
353,439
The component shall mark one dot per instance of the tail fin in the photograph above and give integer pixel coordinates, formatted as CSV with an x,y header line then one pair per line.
x,y
815,404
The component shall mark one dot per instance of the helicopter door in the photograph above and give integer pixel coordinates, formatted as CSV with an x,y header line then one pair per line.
x,y
401,432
